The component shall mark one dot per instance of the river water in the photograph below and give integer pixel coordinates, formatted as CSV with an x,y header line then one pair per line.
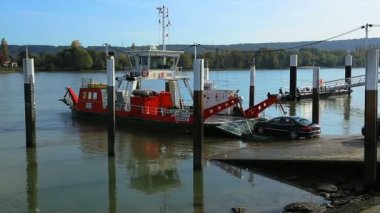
x,y
69,171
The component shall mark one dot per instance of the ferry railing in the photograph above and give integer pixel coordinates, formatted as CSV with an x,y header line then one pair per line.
x,y
147,110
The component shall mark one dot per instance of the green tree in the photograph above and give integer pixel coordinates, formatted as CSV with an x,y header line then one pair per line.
x,y
74,58
185,61
4,48
98,58
122,62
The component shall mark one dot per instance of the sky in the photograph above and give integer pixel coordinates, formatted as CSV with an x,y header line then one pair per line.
x,y
123,22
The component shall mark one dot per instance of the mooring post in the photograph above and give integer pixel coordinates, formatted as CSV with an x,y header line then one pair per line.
x,y
207,73
315,108
30,108
347,70
293,78
198,113
111,104
198,194
112,189
252,84
32,179
370,139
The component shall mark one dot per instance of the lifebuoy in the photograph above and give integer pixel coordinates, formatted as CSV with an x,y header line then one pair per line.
x,y
145,73
320,82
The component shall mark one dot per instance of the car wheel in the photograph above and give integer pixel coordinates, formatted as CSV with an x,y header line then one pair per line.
x,y
260,130
293,135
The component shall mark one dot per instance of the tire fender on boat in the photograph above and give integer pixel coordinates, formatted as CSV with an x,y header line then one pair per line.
x,y
145,73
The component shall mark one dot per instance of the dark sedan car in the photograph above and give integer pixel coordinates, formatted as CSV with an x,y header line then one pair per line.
x,y
291,126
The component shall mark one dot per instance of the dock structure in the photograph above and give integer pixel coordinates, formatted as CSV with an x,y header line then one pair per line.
x,y
337,149
330,88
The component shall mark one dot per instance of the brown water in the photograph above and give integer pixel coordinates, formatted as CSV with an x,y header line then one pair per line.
x,y
69,171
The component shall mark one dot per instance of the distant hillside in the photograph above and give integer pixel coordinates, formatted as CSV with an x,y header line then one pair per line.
x,y
350,45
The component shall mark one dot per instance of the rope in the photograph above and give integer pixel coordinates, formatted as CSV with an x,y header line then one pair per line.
x,y
294,47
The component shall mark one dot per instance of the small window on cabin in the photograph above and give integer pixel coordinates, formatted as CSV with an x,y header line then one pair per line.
x,y
142,61
89,97
95,96
170,62
84,95
157,62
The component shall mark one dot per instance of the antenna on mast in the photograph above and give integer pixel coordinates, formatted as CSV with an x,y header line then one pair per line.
x,y
164,12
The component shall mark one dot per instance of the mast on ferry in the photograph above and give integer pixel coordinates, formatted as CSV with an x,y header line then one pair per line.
x,y
164,12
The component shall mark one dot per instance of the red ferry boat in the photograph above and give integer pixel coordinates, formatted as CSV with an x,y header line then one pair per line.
x,y
138,105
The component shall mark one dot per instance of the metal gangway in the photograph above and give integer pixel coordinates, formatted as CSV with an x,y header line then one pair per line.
x,y
344,83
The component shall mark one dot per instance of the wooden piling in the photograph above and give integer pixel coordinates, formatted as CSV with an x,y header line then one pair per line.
x,y
112,189
111,104
315,107
348,69
198,114
198,195
206,75
32,179
30,109
293,78
370,144
252,84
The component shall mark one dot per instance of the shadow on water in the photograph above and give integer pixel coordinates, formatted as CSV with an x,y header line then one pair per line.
x,y
32,179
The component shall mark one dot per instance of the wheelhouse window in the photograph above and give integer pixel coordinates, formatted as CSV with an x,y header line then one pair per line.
x,y
159,62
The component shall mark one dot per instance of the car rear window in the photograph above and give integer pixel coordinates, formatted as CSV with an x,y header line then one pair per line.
x,y
303,121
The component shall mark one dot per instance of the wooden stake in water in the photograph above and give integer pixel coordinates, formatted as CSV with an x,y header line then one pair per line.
x,y
198,195
347,69
198,113
370,144
293,78
111,104
112,189
32,180
315,107
252,84
30,109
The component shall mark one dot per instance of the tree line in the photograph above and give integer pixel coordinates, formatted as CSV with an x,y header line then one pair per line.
x,y
75,58
274,59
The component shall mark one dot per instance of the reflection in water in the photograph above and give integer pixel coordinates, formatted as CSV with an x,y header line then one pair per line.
x,y
32,179
292,108
235,171
112,197
153,168
154,176
198,191
347,107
